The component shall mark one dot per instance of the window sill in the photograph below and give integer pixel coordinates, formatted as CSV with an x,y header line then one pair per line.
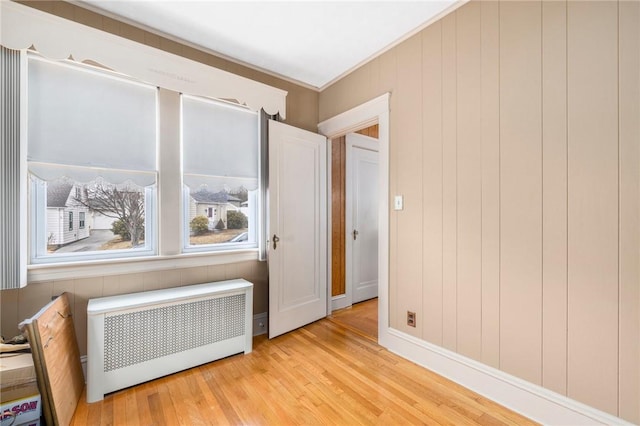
x,y
77,270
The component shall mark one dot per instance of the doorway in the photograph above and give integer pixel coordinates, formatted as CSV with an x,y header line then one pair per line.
x,y
375,111
354,229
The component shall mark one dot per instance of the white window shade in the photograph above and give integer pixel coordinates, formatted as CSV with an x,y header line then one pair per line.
x,y
85,124
220,146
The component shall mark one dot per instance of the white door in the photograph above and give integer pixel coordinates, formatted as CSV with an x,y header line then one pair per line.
x,y
362,217
297,228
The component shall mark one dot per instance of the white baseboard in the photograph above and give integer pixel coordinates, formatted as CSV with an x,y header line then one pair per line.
x,y
532,401
260,323
340,302
83,361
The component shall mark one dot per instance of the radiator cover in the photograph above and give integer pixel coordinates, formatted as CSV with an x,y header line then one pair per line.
x,y
138,337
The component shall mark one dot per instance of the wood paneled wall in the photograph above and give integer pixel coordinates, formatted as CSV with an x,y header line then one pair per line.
x,y
515,140
371,131
338,220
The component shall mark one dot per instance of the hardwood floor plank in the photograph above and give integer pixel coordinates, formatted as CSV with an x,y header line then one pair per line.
x,y
107,413
120,414
155,407
168,409
82,411
324,373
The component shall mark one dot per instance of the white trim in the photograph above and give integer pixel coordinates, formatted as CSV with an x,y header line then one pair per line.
x,y
24,185
83,361
356,118
532,401
372,112
57,38
331,300
101,268
261,318
340,301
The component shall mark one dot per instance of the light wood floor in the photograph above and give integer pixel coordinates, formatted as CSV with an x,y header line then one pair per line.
x,y
361,318
322,374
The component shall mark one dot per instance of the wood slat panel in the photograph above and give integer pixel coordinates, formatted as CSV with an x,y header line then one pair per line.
x,y
593,203
469,179
490,39
554,213
371,131
322,373
629,89
338,161
449,183
521,190
432,182
409,177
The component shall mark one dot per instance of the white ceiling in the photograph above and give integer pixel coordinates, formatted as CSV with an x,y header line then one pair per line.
x,y
311,42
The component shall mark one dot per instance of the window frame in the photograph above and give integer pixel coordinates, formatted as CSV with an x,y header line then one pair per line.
x,y
82,217
167,251
36,193
254,220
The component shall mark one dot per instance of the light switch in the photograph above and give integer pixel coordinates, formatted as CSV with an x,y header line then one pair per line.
x,y
398,202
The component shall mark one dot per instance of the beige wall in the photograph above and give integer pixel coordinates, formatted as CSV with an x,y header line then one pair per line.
x,y
515,140
16,305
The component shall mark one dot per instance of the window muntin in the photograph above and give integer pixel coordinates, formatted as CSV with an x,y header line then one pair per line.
x,y
220,143
90,132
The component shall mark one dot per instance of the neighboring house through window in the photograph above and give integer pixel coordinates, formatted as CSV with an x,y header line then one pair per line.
x,y
60,215
220,163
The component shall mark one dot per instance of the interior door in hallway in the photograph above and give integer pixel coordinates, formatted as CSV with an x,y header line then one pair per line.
x,y
297,228
362,217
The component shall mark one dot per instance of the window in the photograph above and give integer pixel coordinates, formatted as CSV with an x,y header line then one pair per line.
x,y
220,144
91,150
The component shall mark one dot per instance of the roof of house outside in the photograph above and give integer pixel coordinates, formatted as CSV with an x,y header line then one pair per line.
x,y
58,193
209,197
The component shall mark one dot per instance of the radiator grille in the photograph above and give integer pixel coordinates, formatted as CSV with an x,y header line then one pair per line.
x,y
136,337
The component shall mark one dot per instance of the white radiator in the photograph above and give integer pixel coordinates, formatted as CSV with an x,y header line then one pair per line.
x,y
138,337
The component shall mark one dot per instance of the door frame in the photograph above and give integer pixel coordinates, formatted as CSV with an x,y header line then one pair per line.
x,y
375,111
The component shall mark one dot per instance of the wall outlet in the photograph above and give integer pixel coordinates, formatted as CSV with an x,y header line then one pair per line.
x,y
411,319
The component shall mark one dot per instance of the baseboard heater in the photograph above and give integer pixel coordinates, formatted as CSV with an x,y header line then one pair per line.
x,y
138,337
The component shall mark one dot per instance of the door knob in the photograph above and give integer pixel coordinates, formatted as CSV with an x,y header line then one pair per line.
x,y
275,240
355,234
